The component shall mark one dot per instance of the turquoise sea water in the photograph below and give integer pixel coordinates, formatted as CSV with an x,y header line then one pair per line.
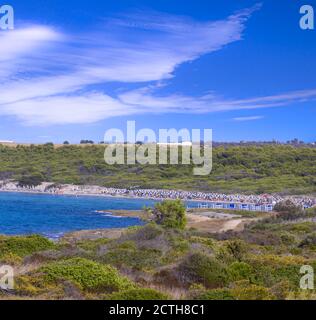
x,y
52,215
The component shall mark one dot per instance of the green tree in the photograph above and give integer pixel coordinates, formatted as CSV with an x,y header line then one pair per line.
x,y
170,214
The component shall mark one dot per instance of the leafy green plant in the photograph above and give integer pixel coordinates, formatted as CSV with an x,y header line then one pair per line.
x,y
170,214
139,259
244,291
23,246
138,294
89,275
200,268
240,271
217,294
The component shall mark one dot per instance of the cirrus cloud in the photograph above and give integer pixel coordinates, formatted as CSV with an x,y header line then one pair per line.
x,y
50,77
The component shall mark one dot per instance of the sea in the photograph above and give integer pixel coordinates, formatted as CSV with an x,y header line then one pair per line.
x,y
55,215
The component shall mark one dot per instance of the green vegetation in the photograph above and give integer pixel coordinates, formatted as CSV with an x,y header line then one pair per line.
x,y
156,261
87,274
31,180
139,294
246,169
217,294
203,269
170,214
23,246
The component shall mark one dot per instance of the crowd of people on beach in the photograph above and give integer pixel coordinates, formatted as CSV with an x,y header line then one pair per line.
x,y
264,199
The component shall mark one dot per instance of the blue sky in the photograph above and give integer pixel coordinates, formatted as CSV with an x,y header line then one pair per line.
x,y
72,70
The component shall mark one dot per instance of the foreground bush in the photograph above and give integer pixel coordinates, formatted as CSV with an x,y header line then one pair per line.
x,y
217,294
23,246
89,275
200,268
139,294
139,259
240,271
244,291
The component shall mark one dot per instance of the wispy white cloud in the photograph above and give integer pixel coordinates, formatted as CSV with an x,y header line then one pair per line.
x,y
48,77
66,109
22,49
144,98
252,118
20,42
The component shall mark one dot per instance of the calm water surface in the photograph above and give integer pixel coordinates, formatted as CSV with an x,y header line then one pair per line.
x,y
52,215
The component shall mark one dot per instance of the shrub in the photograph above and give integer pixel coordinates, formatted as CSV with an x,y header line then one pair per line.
x,y
232,250
309,241
89,275
170,214
200,268
25,285
140,259
302,228
236,248
23,246
272,269
288,210
92,245
287,238
240,271
31,180
11,259
138,294
245,291
140,234
281,290
217,294
205,241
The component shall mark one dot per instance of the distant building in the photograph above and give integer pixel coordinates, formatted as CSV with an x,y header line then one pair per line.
x,y
6,142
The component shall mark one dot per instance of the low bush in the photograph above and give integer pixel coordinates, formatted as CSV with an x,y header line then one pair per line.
x,y
240,271
26,285
89,275
138,294
217,294
11,259
23,246
92,245
245,291
301,228
200,268
140,259
309,241
287,210
272,269
232,250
